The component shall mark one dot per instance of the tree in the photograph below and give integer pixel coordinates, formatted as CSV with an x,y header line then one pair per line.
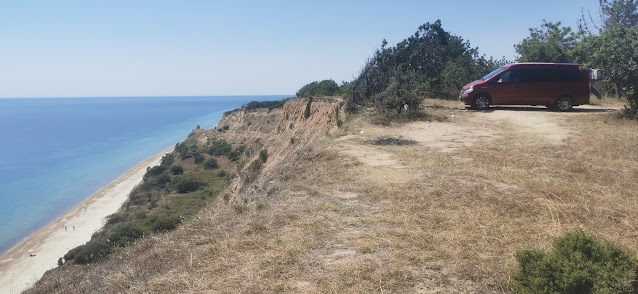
x,y
613,13
550,43
323,88
432,62
615,51
621,12
612,48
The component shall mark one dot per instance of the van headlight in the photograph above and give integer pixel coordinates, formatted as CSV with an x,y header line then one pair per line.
x,y
467,91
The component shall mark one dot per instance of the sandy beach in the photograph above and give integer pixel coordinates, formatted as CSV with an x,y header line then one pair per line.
x,y
25,263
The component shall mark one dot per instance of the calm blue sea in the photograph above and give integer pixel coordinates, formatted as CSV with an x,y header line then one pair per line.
x,y
56,152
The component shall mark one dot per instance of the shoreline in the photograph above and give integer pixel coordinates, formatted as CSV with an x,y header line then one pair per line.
x,y
25,263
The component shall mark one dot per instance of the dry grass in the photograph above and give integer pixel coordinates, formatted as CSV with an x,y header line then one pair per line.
x,y
342,215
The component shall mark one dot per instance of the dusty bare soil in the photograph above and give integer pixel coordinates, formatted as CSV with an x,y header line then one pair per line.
x,y
334,213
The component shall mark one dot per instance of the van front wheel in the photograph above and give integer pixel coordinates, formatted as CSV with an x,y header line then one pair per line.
x,y
564,103
481,102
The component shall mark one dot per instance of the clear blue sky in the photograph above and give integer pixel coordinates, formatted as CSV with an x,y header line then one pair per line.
x,y
172,48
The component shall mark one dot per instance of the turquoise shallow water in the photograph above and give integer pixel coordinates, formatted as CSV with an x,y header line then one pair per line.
x,y
56,152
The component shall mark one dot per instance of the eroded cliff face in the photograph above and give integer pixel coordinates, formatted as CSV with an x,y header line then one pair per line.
x,y
283,133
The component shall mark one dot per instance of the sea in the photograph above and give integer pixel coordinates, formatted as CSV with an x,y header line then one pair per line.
x,y
56,152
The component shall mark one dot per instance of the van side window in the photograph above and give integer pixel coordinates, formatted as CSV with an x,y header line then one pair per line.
x,y
511,76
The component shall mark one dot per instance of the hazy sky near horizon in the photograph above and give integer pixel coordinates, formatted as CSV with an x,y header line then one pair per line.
x,y
182,48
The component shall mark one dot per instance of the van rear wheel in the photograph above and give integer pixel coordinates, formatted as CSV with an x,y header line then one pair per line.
x,y
481,102
564,103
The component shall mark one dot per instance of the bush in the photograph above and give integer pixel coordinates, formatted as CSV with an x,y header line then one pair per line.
x,y
219,148
578,264
167,160
210,163
126,235
199,158
263,155
177,170
323,88
162,180
89,253
166,223
154,171
186,184
266,104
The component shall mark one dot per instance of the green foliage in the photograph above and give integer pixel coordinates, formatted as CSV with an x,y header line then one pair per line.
x,y
89,253
177,170
619,12
219,148
154,171
162,180
266,104
165,223
432,62
125,235
210,163
579,263
167,160
184,184
550,43
263,155
199,158
615,51
323,88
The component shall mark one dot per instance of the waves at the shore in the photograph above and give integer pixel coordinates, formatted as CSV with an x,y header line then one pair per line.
x,y
58,151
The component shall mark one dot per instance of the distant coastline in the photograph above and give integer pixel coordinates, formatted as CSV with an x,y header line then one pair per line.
x,y
27,261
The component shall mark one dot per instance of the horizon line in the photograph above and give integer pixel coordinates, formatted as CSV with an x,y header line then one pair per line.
x,y
144,96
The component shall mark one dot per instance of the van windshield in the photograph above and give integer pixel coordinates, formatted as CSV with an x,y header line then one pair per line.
x,y
493,73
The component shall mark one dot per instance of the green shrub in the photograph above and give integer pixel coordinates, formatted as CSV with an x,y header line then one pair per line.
x,y
177,170
579,263
154,171
126,235
210,163
234,155
263,155
89,253
199,158
167,160
164,223
219,148
323,88
266,104
221,173
162,180
186,184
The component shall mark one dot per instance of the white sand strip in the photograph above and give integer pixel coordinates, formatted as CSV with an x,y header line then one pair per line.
x,y
19,270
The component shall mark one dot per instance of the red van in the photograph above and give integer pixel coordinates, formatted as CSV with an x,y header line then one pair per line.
x,y
555,85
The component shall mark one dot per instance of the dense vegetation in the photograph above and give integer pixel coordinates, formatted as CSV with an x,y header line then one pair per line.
x,y
430,63
323,88
579,263
266,104
174,190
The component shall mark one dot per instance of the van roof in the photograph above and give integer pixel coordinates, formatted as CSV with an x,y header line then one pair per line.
x,y
542,64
